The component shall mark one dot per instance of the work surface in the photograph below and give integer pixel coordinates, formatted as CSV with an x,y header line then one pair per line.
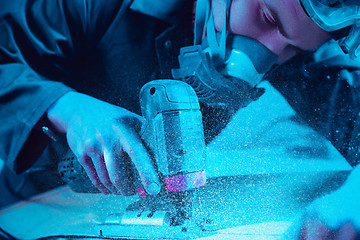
x,y
263,169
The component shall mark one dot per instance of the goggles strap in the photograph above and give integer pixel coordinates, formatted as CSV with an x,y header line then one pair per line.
x,y
218,48
211,34
201,15
224,30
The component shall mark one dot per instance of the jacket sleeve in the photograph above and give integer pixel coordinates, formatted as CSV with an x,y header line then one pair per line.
x,y
325,94
41,42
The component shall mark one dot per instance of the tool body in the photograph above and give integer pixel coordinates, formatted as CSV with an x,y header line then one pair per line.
x,y
173,132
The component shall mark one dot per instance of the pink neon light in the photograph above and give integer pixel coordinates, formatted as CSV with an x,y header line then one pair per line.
x,y
142,192
185,182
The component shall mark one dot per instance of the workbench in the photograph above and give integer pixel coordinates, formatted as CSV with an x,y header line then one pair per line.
x,y
262,170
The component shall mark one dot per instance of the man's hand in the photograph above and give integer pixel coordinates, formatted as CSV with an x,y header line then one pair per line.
x,y
334,216
102,136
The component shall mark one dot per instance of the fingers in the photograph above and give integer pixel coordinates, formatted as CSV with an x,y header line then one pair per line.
x,y
316,230
346,232
106,155
91,157
90,169
102,171
119,174
133,146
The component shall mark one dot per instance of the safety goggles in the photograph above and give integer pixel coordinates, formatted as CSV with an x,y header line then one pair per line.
x,y
333,15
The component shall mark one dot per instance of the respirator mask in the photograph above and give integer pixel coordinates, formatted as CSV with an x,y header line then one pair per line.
x,y
224,69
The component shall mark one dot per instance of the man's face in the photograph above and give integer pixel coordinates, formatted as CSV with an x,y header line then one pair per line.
x,y
280,25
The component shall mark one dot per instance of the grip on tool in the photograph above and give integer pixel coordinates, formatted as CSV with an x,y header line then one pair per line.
x,y
173,130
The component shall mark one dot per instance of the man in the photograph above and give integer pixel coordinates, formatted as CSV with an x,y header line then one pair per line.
x,y
106,52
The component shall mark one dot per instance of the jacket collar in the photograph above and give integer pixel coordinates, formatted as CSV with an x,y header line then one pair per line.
x,y
166,10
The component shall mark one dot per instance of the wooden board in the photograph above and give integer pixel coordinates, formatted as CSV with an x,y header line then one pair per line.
x,y
263,169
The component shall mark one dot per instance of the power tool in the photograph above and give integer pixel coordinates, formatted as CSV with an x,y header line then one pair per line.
x,y
173,133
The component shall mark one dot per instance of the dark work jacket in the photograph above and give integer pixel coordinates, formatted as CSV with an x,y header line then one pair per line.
x,y
48,48
100,48
326,95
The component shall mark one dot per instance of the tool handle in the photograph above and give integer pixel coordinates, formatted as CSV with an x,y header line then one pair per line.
x,y
174,133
